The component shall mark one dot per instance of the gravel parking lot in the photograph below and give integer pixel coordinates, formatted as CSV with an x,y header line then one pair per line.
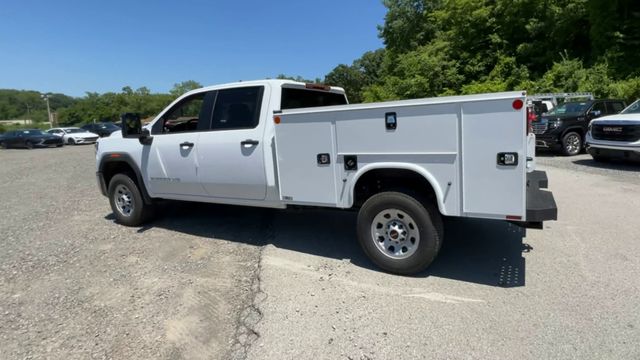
x,y
221,282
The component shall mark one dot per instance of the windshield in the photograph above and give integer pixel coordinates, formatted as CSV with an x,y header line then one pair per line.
x,y
73,130
569,108
632,109
108,126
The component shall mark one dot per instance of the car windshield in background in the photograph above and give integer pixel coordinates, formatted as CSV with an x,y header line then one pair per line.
x,y
301,98
109,126
73,130
569,108
632,109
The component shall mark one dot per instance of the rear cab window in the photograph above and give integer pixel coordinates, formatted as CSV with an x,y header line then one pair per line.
x,y
294,98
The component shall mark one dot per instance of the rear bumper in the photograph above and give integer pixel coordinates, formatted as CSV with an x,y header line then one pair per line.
x,y
541,206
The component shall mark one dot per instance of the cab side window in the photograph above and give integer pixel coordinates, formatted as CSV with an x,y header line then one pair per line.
x,y
237,108
615,107
185,116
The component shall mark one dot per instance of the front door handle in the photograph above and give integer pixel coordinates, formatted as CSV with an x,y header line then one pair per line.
x,y
186,144
249,142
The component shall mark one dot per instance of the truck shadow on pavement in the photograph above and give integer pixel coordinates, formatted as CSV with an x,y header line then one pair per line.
x,y
478,251
619,165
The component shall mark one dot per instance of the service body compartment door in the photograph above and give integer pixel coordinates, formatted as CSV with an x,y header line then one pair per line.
x,y
492,190
300,139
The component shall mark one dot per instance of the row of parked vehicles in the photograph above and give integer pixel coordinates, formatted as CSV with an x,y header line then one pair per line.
x,y
605,128
57,137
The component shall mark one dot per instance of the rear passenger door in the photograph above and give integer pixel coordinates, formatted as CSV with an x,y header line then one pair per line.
x,y
231,153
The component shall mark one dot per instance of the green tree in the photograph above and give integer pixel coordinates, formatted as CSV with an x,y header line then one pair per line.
x,y
184,87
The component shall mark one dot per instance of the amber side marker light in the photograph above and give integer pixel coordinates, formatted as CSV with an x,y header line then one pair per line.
x,y
276,120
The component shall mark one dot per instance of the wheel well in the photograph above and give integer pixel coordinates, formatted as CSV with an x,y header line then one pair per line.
x,y
579,130
118,167
380,180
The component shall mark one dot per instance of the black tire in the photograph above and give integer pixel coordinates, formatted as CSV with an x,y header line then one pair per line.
x,y
70,141
3,145
29,145
59,145
572,143
139,211
428,223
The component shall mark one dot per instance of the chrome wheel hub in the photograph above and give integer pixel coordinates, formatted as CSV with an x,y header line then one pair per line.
x,y
395,233
573,144
123,198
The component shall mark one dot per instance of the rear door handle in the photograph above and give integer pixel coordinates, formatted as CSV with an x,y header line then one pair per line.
x,y
249,142
186,144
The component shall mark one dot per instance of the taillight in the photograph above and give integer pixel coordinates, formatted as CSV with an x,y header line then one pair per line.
x,y
531,117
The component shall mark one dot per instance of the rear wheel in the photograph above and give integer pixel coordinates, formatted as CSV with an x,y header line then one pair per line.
x,y
571,143
3,145
399,233
126,201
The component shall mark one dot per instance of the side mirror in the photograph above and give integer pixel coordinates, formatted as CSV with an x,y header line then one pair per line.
x,y
595,113
131,126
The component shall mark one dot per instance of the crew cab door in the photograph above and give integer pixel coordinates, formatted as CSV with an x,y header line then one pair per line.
x,y
169,163
231,154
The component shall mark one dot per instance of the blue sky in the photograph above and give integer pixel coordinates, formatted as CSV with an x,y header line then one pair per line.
x,y
76,46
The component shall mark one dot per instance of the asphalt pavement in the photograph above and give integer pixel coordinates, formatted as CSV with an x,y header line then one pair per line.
x,y
223,282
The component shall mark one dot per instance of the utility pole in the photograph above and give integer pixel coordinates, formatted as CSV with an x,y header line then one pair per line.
x,y
45,97
29,113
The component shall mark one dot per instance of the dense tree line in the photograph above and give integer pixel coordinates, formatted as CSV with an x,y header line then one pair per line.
x,y
442,47
438,47
16,104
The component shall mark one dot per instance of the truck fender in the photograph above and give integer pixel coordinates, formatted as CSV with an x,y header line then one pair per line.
x,y
404,166
117,157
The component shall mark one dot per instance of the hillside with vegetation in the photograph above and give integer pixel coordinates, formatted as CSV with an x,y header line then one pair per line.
x,y
435,48
444,47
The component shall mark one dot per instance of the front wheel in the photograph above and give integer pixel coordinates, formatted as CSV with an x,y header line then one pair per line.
x,y
399,233
126,201
29,145
71,141
571,143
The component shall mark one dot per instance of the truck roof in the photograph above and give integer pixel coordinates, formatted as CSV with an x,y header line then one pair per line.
x,y
271,82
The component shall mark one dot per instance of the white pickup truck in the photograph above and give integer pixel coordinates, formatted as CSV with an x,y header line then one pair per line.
x,y
402,164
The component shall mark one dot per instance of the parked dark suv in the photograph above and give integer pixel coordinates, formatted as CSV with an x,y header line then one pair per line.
x,y
102,128
565,127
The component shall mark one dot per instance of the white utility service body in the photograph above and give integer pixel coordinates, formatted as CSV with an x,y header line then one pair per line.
x,y
467,156
453,142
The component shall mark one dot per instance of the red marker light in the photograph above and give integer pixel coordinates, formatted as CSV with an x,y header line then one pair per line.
x,y
518,104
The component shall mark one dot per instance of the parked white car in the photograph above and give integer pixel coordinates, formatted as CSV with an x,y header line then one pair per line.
x,y
616,136
74,135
